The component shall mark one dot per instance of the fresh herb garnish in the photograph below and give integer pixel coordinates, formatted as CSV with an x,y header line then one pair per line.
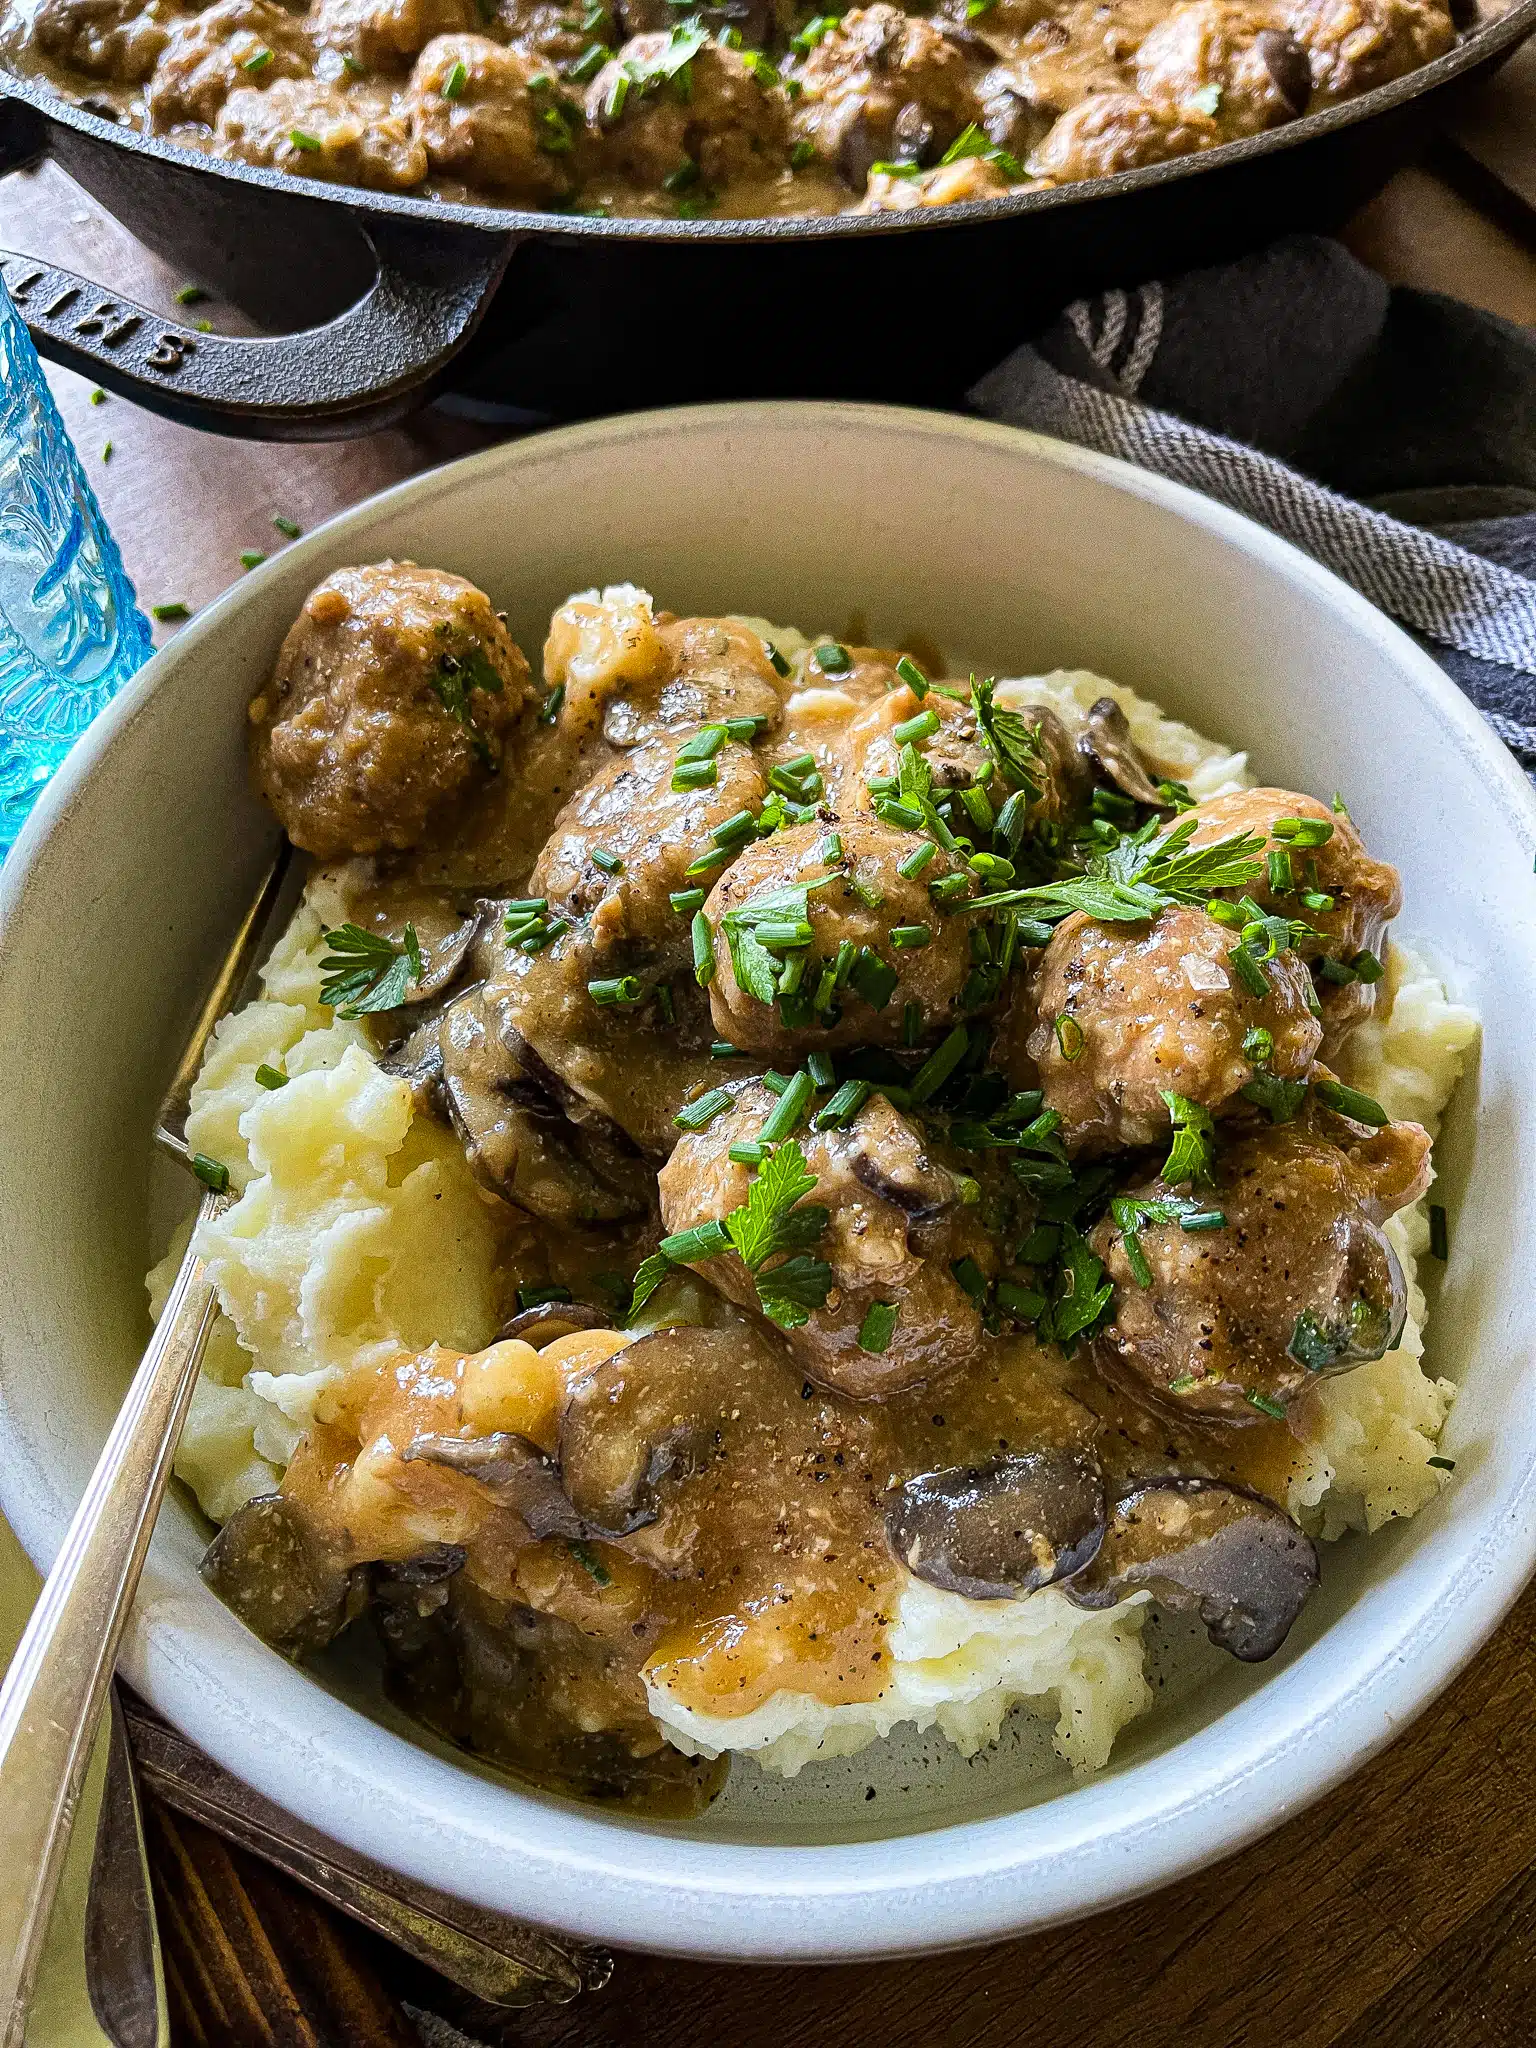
x,y
1191,1157
213,1173
878,1326
364,971
452,680
1014,743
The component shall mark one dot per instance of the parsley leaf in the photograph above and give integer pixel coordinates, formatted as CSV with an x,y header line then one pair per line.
x,y
789,1292
1088,1294
1135,880
365,971
650,1276
1192,1155
452,681
771,1221
780,1182
1014,744
755,968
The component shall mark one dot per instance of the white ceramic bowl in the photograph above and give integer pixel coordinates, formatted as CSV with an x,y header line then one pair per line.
x,y
1018,553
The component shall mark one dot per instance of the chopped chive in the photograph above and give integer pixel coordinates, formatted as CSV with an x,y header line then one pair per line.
x,y
189,294
1349,1102
867,893
736,830
844,1106
842,966
947,887
911,936
258,60
831,848
590,1563
540,1297
1249,971
618,93
1366,966
1258,1045
940,1064
832,659
1204,1219
172,611
917,860
98,396
1439,1235
588,64
722,1049
1264,1404
106,451
790,977
913,677
289,528
1302,831
703,1241
745,730
783,934
704,744
1314,899
911,1023
608,862
455,82
911,730
819,1067
872,978
1282,879
213,1173
527,906
971,1278
703,950
892,811
686,901
549,710
251,558
274,1077
991,867
780,665
788,1110
1011,819
747,1152
1069,1036
878,1326
774,1081
302,139
712,857
694,775
621,992
664,1003
977,807
1442,1464
803,153
1023,1304
694,1116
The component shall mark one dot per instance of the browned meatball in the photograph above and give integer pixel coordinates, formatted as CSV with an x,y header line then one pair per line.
x,y
711,117
385,35
116,40
1365,893
862,898
546,29
1125,1011
473,112
1224,59
1354,45
630,812
957,755
236,43
1119,131
391,693
896,1226
1298,1281
315,131
884,86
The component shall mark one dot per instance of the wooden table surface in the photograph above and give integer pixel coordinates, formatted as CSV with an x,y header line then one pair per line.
x,y
1398,1913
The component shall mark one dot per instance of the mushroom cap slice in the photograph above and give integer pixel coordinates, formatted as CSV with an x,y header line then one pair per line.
x,y
1000,1530
271,1566
515,1472
551,1319
1202,1546
1107,742
653,1412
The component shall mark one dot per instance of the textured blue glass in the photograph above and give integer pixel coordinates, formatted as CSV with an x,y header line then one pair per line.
x,y
70,631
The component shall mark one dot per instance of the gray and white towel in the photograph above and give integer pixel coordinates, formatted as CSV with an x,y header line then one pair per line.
x,y
1389,433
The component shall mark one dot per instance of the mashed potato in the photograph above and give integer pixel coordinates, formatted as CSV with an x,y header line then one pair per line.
x,y
358,1228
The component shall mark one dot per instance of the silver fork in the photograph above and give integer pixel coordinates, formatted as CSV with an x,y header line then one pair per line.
x,y
54,1692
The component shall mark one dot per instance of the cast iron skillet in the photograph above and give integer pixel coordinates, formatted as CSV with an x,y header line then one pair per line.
x,y
379,294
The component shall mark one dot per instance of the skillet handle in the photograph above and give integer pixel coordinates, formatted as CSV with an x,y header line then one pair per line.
x,y
370,366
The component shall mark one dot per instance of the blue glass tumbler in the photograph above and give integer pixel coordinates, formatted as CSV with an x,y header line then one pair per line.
x,y
70,631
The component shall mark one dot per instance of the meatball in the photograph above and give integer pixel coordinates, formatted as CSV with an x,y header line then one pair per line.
x,y
896,1226
236,43
385,35
1365,894
708,117
1119,131
1221,58
958,756
1124,1011
630,813
391,693
315,131
119,41
473,112
1232,1323
883,86
856,897
1353,45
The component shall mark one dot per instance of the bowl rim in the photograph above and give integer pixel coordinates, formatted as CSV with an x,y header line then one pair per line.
x,y
668,1892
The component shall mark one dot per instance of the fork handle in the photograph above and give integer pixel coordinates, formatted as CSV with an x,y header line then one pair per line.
x,y
56,1687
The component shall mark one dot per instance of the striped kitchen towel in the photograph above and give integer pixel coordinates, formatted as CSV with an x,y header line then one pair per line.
x,y
1389,433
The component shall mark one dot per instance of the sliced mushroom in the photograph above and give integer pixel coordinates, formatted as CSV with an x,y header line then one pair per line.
x,y
1286,62
1204,1547
653,1412
551,1319
1107,742
1000,1530
515,1472
418,1059
271,1566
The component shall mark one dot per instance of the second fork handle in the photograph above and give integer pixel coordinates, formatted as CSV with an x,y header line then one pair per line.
x,y
56,1687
